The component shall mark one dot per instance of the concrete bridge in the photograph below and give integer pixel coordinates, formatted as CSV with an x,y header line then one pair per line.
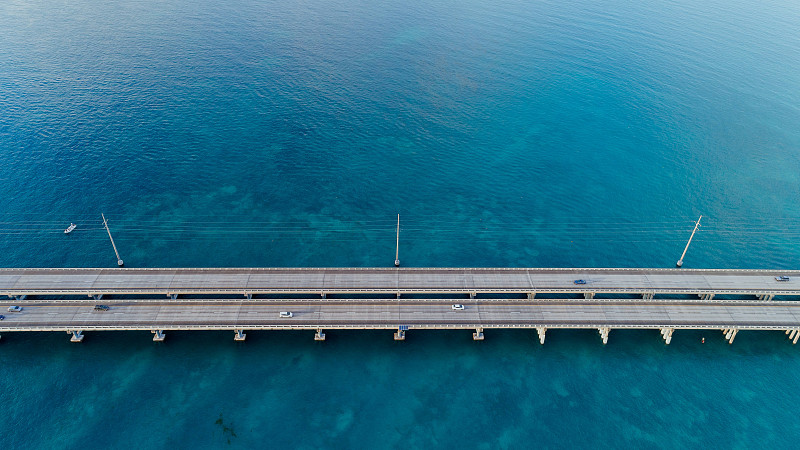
x,y
400,300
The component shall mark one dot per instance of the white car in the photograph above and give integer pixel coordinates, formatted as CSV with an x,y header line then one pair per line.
x,y
14,308
457,307
286,314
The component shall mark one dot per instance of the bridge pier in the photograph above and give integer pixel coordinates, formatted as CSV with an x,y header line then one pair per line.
x,y
239,336
706,296
648,295
766,297
173,296
400,335
730,334
531,295
666,333
158,335
77,335
472,295
97,297
248,296
541,331
604,334
20,297
478,334
793,333
588,295
319,335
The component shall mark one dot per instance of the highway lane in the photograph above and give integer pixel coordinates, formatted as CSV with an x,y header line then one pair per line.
x,y
391,280
387,314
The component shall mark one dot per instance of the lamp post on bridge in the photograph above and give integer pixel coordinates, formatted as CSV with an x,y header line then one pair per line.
x,y
696,226
105,224
397,246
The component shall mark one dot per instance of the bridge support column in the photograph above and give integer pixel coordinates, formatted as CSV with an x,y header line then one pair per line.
x,y
706,296
97,297
648,295
766,297
323,295
733,336
400,335
319,335
77,335
478,334
793,333
20,297
588,295
730,334
158,335
472,295
248,296
173,296
239,336
604,334
666,333
541,331
531,295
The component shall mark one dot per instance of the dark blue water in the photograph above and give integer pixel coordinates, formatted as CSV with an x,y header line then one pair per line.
x,y
510,133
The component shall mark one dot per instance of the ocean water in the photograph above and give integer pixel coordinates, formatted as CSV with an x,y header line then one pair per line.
x,y
511,133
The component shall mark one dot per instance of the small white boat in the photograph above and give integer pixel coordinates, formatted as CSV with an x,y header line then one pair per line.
x,y
71,227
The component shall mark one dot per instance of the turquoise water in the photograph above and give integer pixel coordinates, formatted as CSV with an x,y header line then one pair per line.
x,y
511,133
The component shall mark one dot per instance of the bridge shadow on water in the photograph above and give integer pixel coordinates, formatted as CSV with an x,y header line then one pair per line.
x,y
746,341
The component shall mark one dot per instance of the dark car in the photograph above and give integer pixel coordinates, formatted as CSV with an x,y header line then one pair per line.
x,y
101,307
579,281
782,278
2,317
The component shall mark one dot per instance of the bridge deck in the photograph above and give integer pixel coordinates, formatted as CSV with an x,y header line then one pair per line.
x,y
414,314
404,280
